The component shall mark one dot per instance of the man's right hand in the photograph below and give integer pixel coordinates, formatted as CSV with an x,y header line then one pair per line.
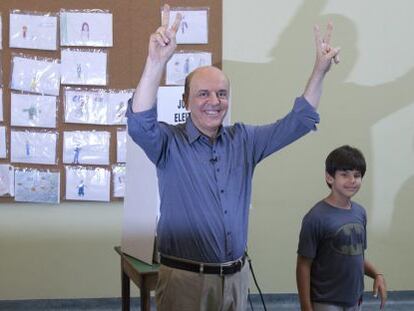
x,y
163,42
162,45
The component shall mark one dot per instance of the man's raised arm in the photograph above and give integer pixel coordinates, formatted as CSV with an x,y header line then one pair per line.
x,y
162,44
325,55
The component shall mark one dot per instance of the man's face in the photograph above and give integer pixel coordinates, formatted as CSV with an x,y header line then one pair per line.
x,y
208,99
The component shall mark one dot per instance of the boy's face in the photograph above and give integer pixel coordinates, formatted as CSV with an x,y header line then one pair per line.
x,y
345,184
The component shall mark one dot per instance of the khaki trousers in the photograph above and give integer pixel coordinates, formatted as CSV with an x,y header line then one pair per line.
x,y
180,290
328,307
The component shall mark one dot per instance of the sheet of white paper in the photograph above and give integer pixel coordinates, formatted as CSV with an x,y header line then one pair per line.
x,y
121,146
33,31
32,185
86,29
117,106
118,176
86,147
181,64
87,184
3,146
37,76
170,105
1,104
84,68
33,110
90,107
193,28
33,147
6,180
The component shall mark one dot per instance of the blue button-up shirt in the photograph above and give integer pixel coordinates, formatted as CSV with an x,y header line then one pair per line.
x,y
205,187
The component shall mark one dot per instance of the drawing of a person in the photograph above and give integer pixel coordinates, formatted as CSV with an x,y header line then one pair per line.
x,y
183,25
81,189
27,148
79,71
120,111
32,112
76,152
35,81
85,32
186,66
81,101
24,31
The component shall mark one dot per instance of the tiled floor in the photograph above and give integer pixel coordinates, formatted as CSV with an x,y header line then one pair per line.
x,y
398,301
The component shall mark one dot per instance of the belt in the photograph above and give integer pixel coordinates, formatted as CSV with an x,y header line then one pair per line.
x,y
206,268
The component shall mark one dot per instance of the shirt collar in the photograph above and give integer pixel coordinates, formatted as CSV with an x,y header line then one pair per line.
x,y
194,133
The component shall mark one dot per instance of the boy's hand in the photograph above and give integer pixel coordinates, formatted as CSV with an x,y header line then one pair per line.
x,y
381,288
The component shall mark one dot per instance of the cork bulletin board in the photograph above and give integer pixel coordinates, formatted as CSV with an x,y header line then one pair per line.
x,y
133,21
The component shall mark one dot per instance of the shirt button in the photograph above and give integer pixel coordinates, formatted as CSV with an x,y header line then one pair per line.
x,y
222,191
218,170
225,211
228,233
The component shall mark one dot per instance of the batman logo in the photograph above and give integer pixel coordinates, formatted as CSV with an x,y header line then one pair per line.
x,y
349,239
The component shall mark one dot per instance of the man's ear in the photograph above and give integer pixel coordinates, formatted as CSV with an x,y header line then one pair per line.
x,y
329,179
184,98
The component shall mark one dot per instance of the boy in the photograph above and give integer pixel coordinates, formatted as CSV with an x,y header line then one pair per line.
x,y
331,265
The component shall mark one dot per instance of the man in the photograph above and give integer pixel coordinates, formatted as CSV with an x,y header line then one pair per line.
x,y
205,172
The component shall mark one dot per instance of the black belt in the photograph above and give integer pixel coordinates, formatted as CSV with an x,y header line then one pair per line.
x,y
221,269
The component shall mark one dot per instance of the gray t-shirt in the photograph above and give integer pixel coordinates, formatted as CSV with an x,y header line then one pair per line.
x,y
335,239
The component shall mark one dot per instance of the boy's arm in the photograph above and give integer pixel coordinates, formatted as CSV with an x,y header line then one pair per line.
x,y
303,281
379,282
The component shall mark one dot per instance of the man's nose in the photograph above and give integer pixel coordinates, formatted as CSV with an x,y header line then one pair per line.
x,y
213,97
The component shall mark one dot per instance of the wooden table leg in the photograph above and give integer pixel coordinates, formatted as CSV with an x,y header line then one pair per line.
x,y
145,297
125,288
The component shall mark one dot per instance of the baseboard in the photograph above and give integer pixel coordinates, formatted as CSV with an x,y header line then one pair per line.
x,y
272,302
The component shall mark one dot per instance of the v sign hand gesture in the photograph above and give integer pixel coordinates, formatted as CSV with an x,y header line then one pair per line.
x,y
162,45
325,53
162,42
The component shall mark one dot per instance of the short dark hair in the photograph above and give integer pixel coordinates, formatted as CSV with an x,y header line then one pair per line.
x,y
345,158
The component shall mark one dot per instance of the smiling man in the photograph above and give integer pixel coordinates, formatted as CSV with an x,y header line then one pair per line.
x,y
206,95
205,174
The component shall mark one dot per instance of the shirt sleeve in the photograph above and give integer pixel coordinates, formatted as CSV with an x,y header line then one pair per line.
x,y
270,138
147,132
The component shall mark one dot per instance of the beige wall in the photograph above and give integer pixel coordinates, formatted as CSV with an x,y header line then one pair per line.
x,y
368,102
66,251
63,251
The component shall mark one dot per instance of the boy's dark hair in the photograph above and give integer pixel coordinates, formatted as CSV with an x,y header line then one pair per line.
x,y
345,158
